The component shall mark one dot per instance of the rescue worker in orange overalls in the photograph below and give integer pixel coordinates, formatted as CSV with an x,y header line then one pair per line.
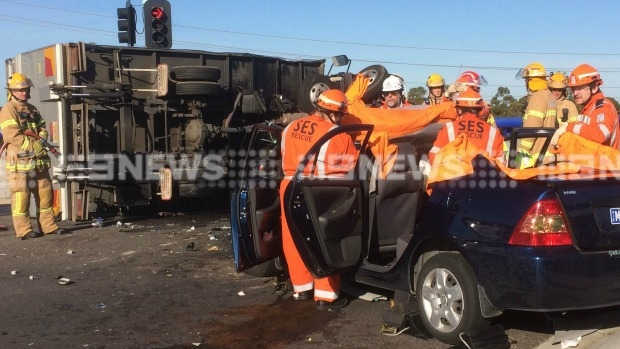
x,y
540,112
469,107
474,81
436,87
598,120
566,110
393,93
336,157
27,161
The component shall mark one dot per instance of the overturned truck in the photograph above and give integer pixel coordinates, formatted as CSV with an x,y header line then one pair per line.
x,y
135,126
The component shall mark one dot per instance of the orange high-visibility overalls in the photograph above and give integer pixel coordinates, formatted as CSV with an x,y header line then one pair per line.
x,y
337,156
480,133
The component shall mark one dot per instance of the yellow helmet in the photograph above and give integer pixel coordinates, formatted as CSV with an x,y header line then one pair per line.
x,y
18,81
533,70
557,80
435,80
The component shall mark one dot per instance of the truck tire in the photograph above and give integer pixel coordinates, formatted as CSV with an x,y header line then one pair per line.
x,y
195,73
198,88
310,89
376,73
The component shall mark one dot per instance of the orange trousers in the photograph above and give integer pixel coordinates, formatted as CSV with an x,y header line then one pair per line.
x,y
325,289
21,185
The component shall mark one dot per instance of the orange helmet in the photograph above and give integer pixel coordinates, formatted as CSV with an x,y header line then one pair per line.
x,y
477,78
584,74
332,100
469,99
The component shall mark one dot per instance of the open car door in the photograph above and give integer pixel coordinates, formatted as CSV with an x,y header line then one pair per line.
x,y
327,216
255,203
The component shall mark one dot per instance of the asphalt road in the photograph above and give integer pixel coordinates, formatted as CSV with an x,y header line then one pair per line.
x,y
139,286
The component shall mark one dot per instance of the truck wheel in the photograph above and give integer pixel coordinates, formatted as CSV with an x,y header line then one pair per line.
x,y
376,73
447,296
309,91
198,88
195,73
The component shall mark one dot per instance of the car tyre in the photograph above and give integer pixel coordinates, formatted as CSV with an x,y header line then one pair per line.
x,y
447,296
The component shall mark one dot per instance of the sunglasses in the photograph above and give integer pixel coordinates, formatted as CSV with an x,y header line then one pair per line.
x,y
395,93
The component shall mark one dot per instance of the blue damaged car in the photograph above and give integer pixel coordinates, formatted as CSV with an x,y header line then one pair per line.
x,y
475,247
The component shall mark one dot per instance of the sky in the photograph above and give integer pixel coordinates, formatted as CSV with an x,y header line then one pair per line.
x,y
411,38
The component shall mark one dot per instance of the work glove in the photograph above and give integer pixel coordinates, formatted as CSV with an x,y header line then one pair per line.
x,y
39,149
558,133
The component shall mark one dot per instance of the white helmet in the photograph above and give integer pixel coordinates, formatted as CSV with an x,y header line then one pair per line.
x,y
393,83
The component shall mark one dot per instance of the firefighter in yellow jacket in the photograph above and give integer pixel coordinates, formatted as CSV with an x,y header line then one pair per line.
x,y
540,112
27,161
565,108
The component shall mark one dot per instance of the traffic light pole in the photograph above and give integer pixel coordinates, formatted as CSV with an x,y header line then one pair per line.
x,y
126,24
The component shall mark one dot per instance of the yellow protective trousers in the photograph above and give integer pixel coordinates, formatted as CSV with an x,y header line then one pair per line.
x,y
22,185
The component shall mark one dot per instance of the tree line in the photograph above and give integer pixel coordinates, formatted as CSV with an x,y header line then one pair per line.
x,y
503,104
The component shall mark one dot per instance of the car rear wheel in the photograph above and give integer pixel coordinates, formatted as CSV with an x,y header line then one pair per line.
x,y
447,296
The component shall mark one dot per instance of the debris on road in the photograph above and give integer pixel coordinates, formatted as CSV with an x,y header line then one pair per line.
x,y
214,248
64,281
70,252
98,222
191,229
191,246
32,277
14,272
241,293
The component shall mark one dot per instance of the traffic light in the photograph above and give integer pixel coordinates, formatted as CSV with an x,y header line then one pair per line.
x,y
157,24
126,24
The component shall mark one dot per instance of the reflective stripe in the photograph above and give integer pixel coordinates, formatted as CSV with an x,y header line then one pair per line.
x,y
491,140
435,149
25,144
605,130
43,210
536,113
305,287
7,123
18,203
321,159
325,294
283,137
577,129
451,134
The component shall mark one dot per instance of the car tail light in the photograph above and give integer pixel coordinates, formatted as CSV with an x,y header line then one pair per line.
x,y
542,225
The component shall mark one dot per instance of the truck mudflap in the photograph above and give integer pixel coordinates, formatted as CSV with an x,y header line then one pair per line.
x,y
165,183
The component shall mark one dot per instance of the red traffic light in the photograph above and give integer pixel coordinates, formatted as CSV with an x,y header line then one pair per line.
x,y
157,12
